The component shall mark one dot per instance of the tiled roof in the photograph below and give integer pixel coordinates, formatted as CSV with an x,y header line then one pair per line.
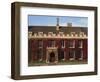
x,y
65,29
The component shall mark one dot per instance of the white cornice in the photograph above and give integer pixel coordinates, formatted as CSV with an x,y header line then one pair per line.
x,y
55,37
63,36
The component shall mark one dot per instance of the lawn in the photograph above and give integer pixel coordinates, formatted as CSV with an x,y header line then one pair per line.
x,y
68,62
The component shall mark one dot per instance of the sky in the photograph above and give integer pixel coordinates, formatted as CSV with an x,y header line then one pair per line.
x,y
34,20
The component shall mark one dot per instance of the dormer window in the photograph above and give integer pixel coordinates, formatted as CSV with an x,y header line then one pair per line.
x,y
40,33
61,33
35,34
50,33
72,33
81,33
29,33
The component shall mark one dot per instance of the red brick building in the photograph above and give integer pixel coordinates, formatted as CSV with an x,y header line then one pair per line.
x,y
56,43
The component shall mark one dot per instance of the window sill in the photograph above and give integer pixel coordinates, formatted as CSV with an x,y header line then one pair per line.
x,y
72,59
71,47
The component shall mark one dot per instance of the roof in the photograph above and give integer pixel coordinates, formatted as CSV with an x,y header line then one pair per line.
x,y
65,29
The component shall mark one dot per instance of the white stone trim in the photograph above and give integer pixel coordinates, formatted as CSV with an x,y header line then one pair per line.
x,y
59,35
49,50
40,34
50,33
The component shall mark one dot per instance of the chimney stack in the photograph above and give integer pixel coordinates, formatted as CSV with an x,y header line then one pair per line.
x,y
57,26
69,24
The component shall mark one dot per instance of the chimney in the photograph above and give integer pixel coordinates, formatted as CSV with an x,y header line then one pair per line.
x,y
57,26
69,24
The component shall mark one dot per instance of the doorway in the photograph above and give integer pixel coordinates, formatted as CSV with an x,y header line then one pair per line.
x,y
52,57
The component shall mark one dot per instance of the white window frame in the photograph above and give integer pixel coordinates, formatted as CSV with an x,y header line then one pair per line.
x,y
81,58
64,56
73,44
41,43
64,44
81,44
73,56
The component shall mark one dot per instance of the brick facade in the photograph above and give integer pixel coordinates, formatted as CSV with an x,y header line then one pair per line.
x,y
68,52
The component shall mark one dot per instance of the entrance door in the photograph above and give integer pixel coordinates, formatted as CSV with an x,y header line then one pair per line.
x,y
52,57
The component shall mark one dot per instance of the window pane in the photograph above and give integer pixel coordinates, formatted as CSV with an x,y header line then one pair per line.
x,y
60,54
79,43
40,43
51,43
71,43
71,54
62,43
39,54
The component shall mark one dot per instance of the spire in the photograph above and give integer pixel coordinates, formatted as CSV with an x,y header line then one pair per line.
x,y
57,26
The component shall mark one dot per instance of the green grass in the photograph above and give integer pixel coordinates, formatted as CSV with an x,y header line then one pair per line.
x,y
68,62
